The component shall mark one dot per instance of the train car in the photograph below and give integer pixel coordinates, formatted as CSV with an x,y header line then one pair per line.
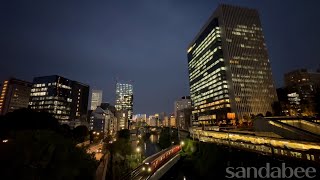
x,y
153,163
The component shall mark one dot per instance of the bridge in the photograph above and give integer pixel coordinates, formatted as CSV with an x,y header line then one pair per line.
x,y
155,166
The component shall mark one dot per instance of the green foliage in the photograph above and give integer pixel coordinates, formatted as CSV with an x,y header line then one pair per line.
x,y
121,147
40,148
189,147
165,138
45,154
119,151
80,133
124,134
268,114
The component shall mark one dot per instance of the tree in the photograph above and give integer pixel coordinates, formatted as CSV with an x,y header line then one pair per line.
x,y
38,148
165,138
119,151
268,114
44,154
276,107
23,119
80,133
65,130
124,133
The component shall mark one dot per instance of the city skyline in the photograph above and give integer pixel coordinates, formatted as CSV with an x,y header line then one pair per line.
x,y
48,42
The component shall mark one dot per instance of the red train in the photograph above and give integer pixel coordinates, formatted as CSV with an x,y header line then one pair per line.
x,y
154,162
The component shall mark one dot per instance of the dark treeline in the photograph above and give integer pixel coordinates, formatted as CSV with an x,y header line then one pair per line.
x,y
35,146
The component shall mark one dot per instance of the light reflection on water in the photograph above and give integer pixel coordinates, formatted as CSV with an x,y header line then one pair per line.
x,y
154,138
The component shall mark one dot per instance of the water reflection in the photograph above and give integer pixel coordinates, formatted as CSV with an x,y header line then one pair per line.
x,y
154,138
151,145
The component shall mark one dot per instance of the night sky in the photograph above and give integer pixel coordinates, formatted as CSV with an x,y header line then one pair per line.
x,y
98,42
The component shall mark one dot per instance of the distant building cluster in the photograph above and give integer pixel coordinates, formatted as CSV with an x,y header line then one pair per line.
x,y
67,100
300,94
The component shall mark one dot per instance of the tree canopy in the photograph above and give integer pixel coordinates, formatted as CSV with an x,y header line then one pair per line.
x,y
39,148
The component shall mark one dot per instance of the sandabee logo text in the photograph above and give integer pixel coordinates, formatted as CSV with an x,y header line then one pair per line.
x,y
271,172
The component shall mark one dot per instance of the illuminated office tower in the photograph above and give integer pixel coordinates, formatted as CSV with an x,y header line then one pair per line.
x,y
124,98
15,94
229,68
65,99
96,99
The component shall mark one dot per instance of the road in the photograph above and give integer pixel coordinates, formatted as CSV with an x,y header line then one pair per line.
x,y
94,149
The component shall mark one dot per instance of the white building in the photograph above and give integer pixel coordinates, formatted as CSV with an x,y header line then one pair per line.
x,y
96,99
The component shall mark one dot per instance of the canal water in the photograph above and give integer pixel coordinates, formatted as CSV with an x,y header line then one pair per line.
x,y
151,146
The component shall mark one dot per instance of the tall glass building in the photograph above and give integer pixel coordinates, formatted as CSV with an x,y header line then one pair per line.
x,y
65,99
96,99
229,68
124,98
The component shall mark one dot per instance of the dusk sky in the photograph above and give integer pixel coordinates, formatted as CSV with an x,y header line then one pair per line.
x,y
98,42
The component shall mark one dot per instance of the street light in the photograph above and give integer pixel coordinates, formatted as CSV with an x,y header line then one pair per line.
x,y
138,149
182,143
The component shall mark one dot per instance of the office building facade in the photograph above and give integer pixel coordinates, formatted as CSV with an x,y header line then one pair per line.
x,y
229,68
124,98
65,99
96,99
15,94
103,120
303,84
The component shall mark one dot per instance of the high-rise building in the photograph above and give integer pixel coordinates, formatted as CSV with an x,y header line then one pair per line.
x,y
165,121
124,98
139,118
152,121
183,103
172,121
229,68
183,118
96,99
303,85
65,99
182,112
15,94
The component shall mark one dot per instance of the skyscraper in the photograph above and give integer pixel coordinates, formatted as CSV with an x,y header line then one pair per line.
x,y
124,98
229,67
96,99
65,99
15,94
305,84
